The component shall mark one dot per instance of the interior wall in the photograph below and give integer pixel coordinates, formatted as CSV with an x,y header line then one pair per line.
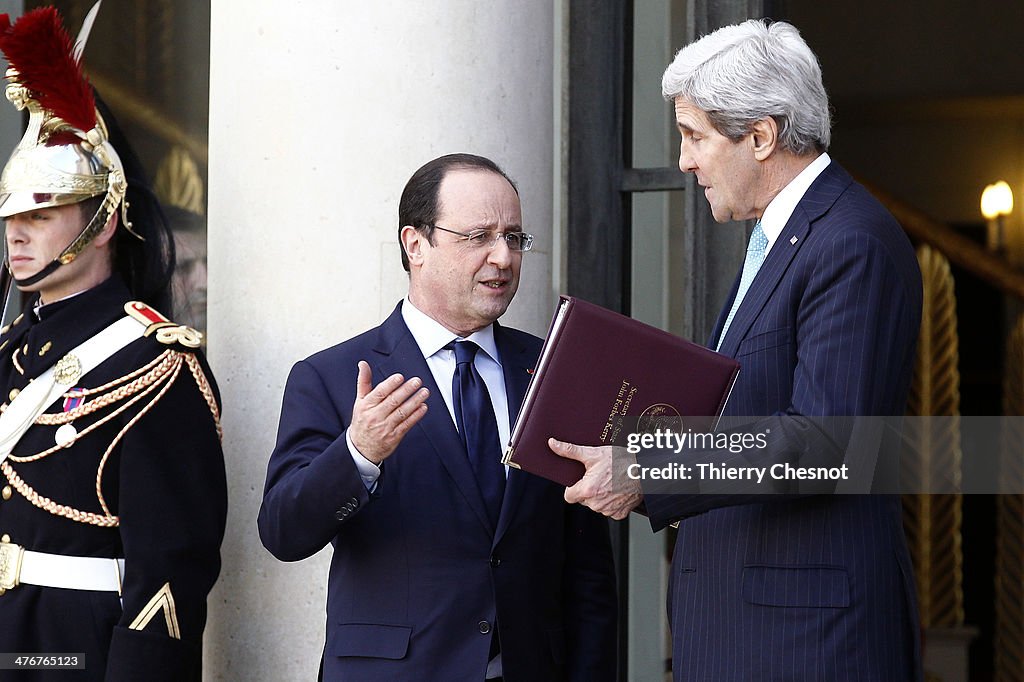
x,y
928,96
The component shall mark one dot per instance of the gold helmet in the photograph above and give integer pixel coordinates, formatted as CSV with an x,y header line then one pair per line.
x,y
65,156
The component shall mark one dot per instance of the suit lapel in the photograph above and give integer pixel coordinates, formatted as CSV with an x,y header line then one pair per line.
x,y
516,365
818,198
401,354
779,258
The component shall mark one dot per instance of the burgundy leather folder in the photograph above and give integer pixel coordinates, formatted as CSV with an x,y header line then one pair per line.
x,y
601,376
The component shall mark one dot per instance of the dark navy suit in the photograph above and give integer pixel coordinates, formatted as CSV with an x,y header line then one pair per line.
x,y
419,575
815,588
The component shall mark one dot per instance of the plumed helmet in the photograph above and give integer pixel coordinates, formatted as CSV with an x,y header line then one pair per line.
x,y
65,155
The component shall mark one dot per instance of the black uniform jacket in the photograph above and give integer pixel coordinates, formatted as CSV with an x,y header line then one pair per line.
x,y
143,480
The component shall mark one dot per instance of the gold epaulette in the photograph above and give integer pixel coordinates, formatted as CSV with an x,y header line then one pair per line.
x,y
169,333
166,332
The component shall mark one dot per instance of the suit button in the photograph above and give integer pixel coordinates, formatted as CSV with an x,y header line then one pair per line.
x,y
340,514
6,492
484,626
495,561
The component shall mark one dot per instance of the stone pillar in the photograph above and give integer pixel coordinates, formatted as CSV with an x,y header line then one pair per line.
x,y
319,113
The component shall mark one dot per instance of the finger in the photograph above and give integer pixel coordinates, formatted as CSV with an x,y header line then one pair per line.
x,y
614,507
394,407
384,389
574,495
598,509
411,420
409,404
567,450
416,399
628,505
364,382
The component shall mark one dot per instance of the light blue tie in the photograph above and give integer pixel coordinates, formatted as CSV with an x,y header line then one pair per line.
x,y
755,257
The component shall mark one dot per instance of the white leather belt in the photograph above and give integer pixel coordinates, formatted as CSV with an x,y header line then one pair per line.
x,y
19,566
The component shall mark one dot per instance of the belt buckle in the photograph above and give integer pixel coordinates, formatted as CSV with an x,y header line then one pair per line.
x,y
11,556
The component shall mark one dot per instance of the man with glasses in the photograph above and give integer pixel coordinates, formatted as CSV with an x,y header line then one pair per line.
x,y
446,565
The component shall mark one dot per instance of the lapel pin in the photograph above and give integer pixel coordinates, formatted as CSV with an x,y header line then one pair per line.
x,y
793,240
530,371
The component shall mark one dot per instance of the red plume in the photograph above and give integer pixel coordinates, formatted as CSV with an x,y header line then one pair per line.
x,y
39,48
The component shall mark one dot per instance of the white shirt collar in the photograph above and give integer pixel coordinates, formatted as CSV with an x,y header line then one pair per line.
x,y
779,210
431,336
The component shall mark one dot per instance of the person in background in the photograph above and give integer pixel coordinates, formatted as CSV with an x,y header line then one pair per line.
x,y
179,187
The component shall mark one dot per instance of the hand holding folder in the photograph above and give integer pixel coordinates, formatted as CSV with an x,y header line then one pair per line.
x,y
603,488
602,376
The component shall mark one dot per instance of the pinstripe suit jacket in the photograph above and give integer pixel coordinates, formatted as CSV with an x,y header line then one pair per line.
x,y
807,587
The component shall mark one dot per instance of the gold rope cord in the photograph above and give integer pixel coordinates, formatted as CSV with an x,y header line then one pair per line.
x,y
1009,571
206,390
142,384
130,424
46,504
131,389
163,370
932,522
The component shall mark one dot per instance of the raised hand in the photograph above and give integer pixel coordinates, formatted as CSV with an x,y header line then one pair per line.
x,y
382,416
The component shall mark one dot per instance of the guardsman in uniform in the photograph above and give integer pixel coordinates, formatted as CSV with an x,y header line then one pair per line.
x,y
112,486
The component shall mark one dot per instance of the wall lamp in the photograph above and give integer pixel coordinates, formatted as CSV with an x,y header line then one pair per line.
x,y
996,204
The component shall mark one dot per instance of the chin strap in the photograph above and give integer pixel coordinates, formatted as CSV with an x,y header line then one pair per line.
x,y
60,260
29,281
39,276
77,245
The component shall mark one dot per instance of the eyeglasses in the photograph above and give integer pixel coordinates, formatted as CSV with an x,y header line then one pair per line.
x,y
516,241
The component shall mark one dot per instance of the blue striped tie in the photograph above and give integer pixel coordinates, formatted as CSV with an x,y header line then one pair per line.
x,y
755,257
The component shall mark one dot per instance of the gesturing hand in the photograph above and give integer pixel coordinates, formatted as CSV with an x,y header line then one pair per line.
x,y
382,416
604,487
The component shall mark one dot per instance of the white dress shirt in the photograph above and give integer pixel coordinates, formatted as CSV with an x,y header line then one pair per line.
x,y
779,210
